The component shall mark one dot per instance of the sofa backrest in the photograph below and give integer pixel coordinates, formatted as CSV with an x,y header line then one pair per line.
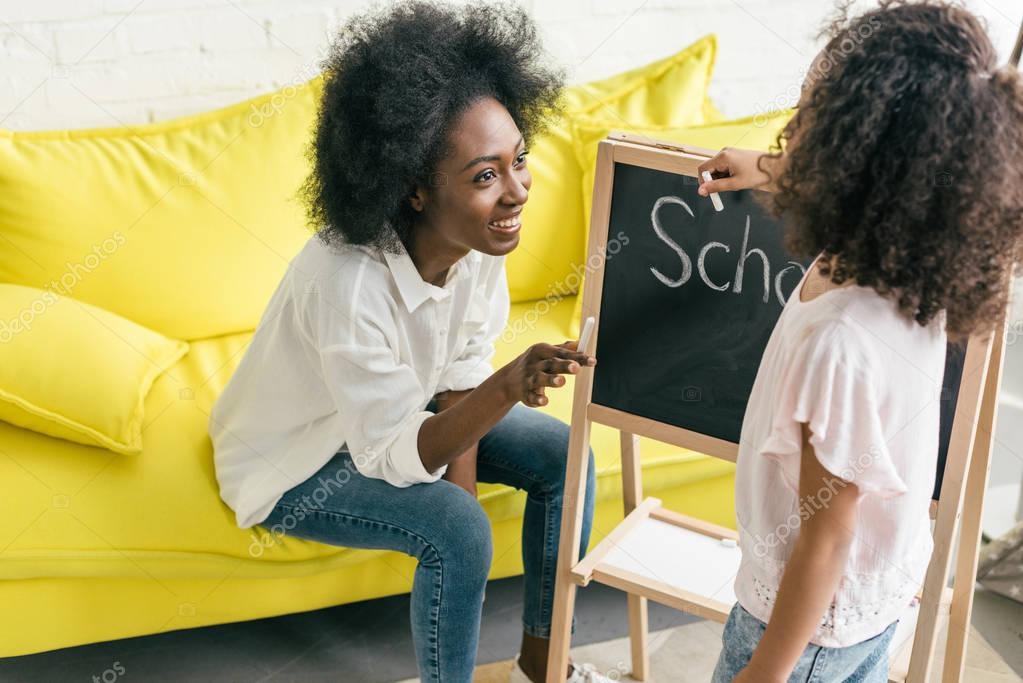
x,y
185,226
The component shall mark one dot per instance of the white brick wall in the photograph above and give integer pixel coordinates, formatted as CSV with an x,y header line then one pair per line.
x,y
128,62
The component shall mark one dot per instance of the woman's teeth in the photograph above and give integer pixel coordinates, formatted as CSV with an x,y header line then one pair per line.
x,y
506,223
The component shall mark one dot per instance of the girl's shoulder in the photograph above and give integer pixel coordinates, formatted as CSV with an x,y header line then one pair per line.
x,y
857,327
864,313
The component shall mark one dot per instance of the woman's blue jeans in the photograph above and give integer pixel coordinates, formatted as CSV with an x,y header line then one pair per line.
x,y
447,531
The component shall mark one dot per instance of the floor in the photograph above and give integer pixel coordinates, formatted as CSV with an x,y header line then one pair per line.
x,y
369,643
684,654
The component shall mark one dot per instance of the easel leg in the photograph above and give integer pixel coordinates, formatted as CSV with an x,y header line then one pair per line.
x,y
933,608
561,630
568,545
971,523
632,494
638,635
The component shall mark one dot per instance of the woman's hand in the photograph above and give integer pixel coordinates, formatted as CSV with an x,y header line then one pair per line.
x,y
735,169
540,367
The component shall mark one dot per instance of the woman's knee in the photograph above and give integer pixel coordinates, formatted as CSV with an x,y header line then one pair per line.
x,y
462,534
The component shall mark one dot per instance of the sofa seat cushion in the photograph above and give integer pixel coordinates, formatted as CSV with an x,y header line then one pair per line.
x,y
75,510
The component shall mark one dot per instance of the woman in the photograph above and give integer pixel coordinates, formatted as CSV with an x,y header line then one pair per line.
x,y
365,409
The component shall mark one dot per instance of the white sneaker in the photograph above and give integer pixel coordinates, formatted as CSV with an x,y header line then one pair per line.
x,y
581,673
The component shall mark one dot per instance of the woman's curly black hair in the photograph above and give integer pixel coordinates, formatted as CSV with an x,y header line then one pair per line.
x,y
904,163
395,81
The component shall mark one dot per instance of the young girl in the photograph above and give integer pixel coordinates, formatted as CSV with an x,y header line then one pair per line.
x,y
903,172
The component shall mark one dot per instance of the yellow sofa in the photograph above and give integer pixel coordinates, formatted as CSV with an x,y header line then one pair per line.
x,y
97,543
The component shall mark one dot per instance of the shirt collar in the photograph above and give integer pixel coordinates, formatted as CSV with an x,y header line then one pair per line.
x,y
414,290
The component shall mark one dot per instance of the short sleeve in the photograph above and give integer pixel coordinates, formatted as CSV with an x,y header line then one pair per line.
x,y
379,398
486,317
828,383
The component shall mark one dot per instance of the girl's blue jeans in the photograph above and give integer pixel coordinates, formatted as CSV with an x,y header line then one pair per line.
x,y
865,662
446,530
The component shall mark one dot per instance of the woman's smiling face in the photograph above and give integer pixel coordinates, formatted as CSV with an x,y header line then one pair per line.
x,y
478,189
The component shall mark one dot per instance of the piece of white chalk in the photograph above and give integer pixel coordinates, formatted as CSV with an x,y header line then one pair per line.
x,y
584,338
729,542
715,198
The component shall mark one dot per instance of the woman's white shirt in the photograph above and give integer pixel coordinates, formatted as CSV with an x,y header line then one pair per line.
x,y
351,348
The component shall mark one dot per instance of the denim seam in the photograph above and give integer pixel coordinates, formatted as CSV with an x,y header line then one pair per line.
x,y
438,590
543,560
435,615
817,669
876,657
543,573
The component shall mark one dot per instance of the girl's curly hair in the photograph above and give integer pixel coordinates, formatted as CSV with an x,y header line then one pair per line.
x,y
904,163
395,80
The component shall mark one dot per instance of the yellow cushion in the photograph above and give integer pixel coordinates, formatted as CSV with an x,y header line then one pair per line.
x,y
75,371
185,226
669,92
754,132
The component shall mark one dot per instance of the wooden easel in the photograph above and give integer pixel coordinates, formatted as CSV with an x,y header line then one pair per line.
x,y
966,474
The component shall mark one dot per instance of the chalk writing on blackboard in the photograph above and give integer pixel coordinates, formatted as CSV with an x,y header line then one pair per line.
x,y
734,285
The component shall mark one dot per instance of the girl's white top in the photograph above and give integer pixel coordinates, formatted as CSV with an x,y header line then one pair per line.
x,y
868,382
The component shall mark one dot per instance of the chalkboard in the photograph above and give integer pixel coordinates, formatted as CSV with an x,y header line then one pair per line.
x,y
955,358
689,302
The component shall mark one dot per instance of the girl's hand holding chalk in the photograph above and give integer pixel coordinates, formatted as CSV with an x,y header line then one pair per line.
x,y
735,169
715,198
